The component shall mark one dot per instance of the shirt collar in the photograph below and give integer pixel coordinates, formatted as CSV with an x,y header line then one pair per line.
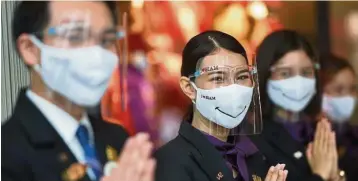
x,y
240,144
65,125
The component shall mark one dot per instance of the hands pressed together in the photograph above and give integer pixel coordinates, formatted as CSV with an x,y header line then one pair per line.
x,y
135,162
277,173
322,153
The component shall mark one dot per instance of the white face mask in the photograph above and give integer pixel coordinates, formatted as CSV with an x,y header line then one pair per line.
x,y
338,109
81,75
225,106
292,94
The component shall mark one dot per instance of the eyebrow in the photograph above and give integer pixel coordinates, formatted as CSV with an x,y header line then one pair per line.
x,y
110,30
242,71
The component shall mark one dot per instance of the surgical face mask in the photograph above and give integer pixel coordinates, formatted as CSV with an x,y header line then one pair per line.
x,y
292,94
338,109
81,75
226,106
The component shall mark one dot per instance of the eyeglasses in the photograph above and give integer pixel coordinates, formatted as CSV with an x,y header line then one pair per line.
x,y
285,72
79,35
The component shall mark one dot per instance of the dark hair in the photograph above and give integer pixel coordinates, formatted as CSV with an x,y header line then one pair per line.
x,y
330,66
274,47
202,45
33,16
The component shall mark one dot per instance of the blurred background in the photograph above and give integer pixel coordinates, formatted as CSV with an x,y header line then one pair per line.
x,y
145,93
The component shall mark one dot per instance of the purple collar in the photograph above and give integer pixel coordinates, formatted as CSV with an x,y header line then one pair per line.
x,y
235,153
302,130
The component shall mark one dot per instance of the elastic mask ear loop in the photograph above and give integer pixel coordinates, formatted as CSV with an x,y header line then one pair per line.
x,y
196,89
36,41
40,45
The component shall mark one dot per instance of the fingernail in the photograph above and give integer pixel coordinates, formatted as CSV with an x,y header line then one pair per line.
x,y
272,168
283,166
285,172
277,167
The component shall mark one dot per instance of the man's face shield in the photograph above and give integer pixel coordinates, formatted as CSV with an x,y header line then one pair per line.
x,y
228,95
79,34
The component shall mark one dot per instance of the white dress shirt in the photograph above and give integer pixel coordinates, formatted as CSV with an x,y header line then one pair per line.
x,y
65,125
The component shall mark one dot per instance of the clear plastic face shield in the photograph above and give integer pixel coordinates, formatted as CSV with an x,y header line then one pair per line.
x,y
227,94
81,29
292,88
79,55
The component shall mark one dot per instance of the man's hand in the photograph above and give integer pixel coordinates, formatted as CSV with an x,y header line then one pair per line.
x,y
135,162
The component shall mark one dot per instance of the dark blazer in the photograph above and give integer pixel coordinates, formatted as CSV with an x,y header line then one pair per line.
x,y
191,157
348,152
32,150
279,147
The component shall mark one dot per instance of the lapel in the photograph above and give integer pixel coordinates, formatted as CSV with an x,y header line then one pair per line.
x,y
101,139
207,157
277,135
51,151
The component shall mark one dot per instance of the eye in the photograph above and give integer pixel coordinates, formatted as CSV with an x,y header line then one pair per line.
x,y
285,74
76,39
108,42
242,77
217,79
308,72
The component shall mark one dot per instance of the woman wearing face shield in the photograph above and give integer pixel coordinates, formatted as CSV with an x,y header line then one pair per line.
x,y
290,98
218,78
339,99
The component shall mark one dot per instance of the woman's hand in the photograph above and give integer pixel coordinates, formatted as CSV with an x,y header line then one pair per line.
x,y
320,152
135,162
277,173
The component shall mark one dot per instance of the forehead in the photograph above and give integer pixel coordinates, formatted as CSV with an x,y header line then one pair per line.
x,y
95,14
345,76
296,58
223,58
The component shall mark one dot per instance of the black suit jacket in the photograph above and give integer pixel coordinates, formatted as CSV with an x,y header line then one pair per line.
x,y
32,150
348,154
191,157
279,147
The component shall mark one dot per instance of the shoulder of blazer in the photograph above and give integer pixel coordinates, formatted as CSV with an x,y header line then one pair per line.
x,y
14,142
175,151
173,161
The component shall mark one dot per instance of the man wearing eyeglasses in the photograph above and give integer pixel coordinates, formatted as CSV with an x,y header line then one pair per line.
x,y
70,49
